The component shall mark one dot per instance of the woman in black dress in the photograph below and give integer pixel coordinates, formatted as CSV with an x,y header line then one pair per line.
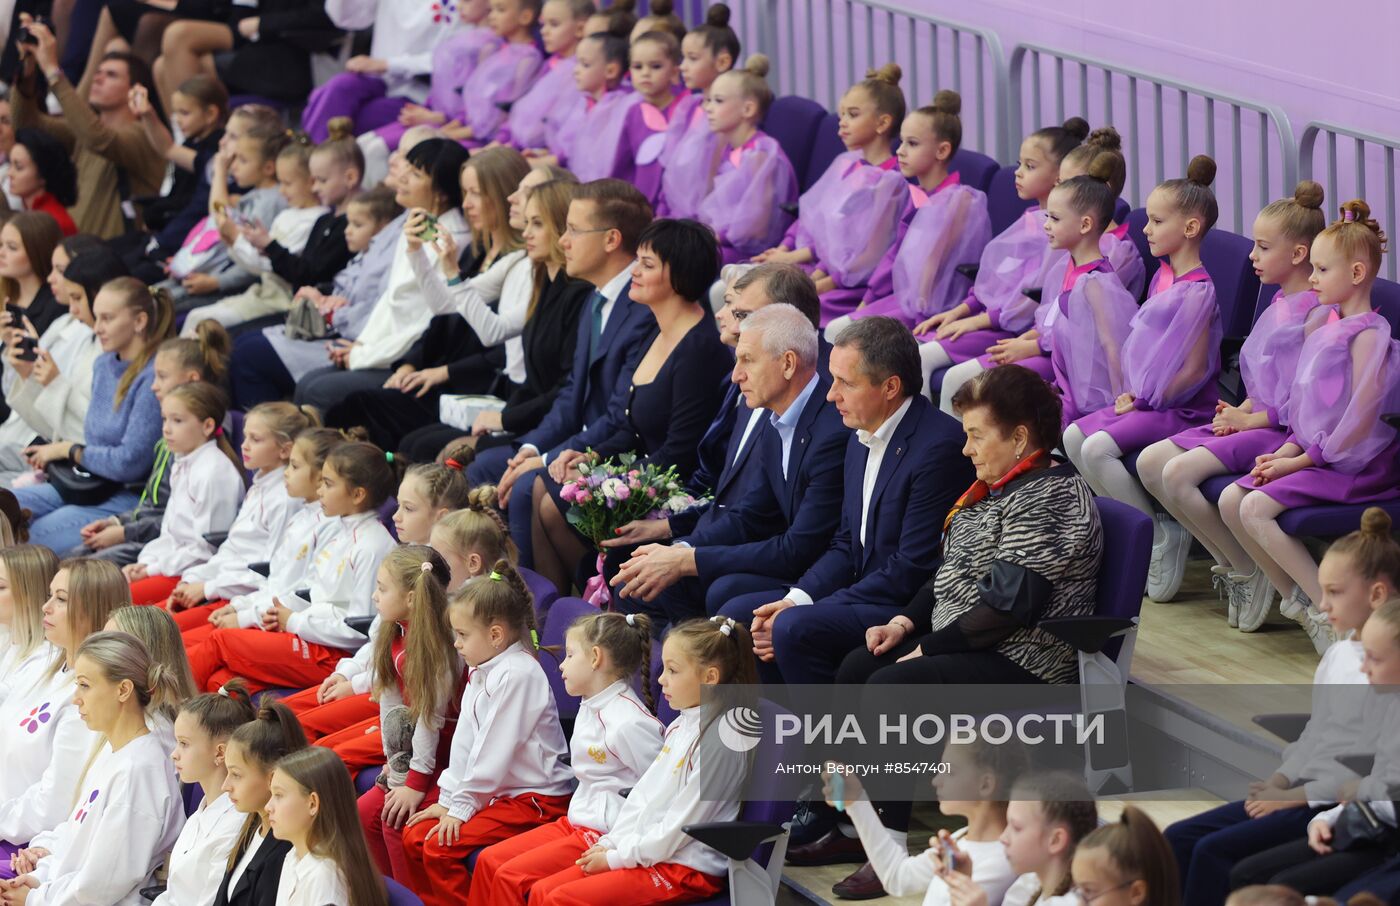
x,y
672,396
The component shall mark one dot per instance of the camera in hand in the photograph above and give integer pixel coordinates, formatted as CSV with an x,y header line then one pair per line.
x,y
27,350
27,37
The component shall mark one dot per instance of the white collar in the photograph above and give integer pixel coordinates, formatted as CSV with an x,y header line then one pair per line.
x,y
599,700
886,430
613,288
491,664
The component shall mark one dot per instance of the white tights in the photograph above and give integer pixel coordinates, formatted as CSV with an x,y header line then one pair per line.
x,y
953,379
1174,476
1253,516
1100,462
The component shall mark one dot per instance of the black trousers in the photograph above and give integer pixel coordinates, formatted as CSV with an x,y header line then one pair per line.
x,y
1295,865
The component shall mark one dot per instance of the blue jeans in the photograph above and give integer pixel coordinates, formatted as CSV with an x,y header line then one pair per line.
x,y
57,525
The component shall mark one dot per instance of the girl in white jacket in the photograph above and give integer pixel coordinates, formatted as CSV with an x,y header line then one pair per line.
x,y
46,744
268,434
303,637
202,731
313,808
616,737
128,810
206,488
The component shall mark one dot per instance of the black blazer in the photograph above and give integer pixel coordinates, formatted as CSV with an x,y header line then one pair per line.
x,y
258,885
549,340
325,255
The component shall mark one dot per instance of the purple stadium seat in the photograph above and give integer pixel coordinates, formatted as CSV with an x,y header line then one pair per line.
x,y
1385,296
794,122
826,146
562,614
1121,209
1226,258
1003,204
664,712
386,516
544,591
975,169
364,779
235,429
1137,219
193,794
400,895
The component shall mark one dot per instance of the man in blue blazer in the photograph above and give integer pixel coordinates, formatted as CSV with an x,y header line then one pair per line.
x,y
600,243
904,468
786,520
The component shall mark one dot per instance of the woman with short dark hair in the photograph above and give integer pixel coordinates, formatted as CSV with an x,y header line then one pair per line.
x,y
42,175
673,394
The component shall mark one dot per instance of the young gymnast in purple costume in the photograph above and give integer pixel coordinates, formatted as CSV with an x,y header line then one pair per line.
x,y
998,308
1174,469
707,52
590,132
1115,244
740,178
1171,357
655,67
945,224
848,219
1338,449
502,76
537,112
454,60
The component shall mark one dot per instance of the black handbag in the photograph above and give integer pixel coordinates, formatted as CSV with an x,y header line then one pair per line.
x,y
78,487
1358,827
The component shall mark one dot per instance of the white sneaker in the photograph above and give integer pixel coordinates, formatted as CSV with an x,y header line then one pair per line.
x,y
1171,543
1254,598
1296,605
1220,581
1319,629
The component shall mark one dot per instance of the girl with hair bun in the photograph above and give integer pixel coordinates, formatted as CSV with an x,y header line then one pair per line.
x,y
945,224
731,176
707,52
1173,469
1358,574
1165,374
538,110
1338,450
1102,152
848,218
127,812
997,307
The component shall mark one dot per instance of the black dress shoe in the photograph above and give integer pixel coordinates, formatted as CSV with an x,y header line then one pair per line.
x,y
835,848
863,884
810,823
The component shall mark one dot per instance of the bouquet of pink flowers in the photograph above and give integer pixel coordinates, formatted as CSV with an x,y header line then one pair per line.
x,y
609,494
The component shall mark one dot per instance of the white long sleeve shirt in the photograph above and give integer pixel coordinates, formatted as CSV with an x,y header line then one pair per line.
x,y
401,315
262,519
201,853
1381,718
686,784
341,581
292,553
310,880
616,738
127,818
358,668
58,411
44,746
904,875
404,35
17,670
1335,727
508,740
509,282
205,492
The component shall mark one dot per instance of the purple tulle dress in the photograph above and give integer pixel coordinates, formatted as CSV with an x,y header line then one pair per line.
x,y
1170,362
644,136
1348,377
537,113
590,134
848,218
500,78
1127,262
1013,262
689,148
1268,364
1083,330
918,276
748,187
454,61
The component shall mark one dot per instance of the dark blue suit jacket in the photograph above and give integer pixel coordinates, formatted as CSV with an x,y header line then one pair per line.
x,y
591,385
921,476
723,473
785,524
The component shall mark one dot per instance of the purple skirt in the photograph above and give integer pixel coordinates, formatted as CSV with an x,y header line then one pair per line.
x,y
1040,364
1140,427
839,302
1237,451
7,851
1380,480
889,307
969,345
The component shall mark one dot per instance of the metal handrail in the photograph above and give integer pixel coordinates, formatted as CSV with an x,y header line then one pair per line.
x,y
1387,147
1271,120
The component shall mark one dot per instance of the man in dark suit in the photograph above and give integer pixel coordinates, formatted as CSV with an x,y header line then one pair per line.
x,y
903,471
600,242
786,519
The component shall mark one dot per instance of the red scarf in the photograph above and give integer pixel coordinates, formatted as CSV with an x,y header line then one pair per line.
x,y
980,489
